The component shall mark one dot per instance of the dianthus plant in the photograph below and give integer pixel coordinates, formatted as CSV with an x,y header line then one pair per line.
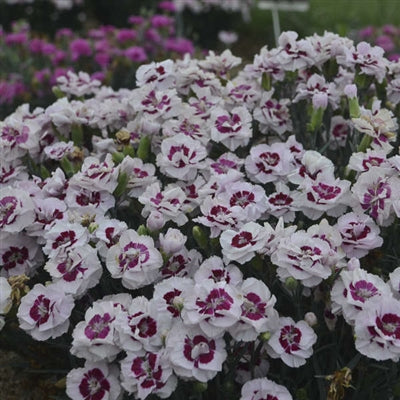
x,y
219,232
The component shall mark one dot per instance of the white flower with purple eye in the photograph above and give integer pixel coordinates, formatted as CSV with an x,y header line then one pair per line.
x,y
258,313
359,233
193,354
393,91
263,388
233,129
376,193
181,264
19,136
273,114
141,326
314,166
64,236
168,295
80,84
316,85
88,201
362,162
219,216
181,157
149,373
78,269
167,202
292,342
302,257
134,259
213,268
269,163
188,125
11,170
377,329
251,198
241,91
19,254
58,150
140,175
95,381
294,54
379,123
214,306
283,202
242,245
339,132
320,196
44,312
226,163
160,75
220,64
16,209
369,59
107,234
94,338
97,175
353,289
157,105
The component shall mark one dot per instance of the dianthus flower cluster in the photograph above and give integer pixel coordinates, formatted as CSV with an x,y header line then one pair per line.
x,y
209,224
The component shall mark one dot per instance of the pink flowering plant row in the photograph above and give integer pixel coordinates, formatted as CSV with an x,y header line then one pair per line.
x,y
219,232
387,37
31,63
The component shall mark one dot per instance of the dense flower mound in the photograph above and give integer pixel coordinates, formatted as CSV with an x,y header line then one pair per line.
x,y
32,64
216,225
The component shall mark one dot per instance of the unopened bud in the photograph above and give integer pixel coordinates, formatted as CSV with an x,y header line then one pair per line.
x,y
155,221
200,387
200,237
142,230
265,336
311,319
291,283
350,91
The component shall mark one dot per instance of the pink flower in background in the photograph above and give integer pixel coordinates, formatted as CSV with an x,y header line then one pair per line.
x,y
136,54
80,48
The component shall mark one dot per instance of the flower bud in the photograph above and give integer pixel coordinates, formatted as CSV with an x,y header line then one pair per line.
x,y
155,221
173,241
350,91
200,237
320,100
311,319
291,283
142,230
353,264
200,387
265,336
